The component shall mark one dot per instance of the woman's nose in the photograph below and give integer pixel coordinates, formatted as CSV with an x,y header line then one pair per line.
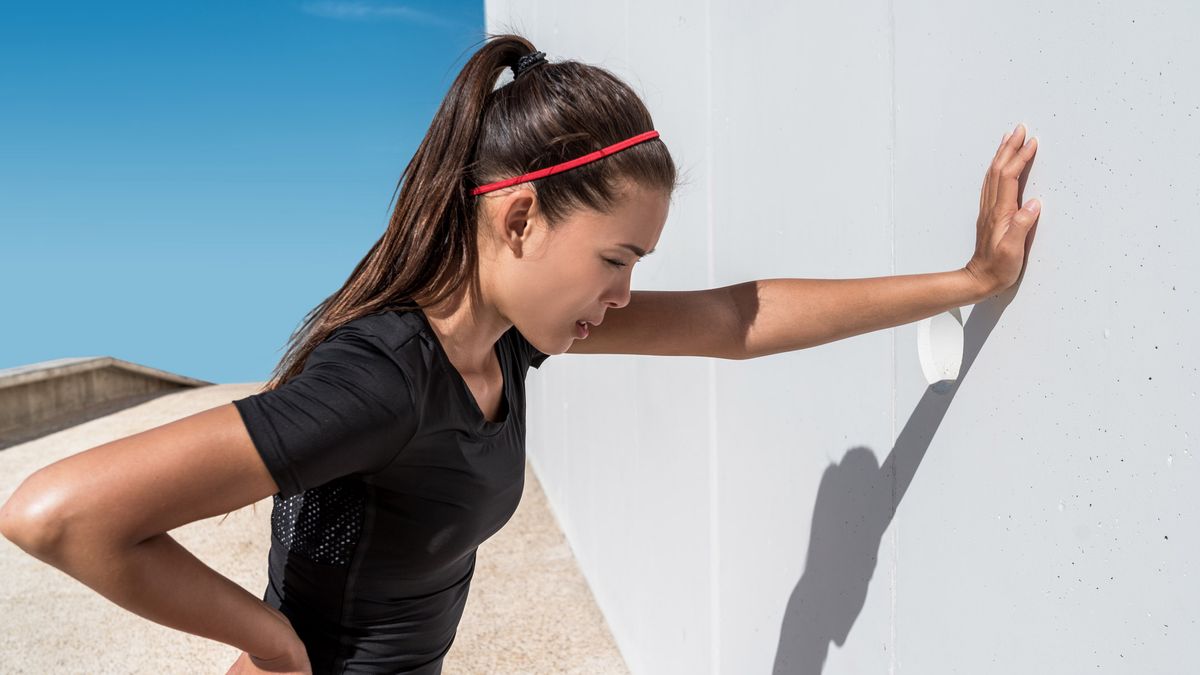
x,y
620,296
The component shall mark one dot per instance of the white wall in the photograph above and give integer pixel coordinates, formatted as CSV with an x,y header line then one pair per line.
x,y
828,510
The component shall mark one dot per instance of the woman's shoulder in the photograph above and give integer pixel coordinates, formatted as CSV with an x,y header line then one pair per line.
x,y
392,327
393,334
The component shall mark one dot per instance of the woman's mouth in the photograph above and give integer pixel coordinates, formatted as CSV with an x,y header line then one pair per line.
x,y
581,329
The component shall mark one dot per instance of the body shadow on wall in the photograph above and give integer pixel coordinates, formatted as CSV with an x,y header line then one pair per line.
x,y
856,501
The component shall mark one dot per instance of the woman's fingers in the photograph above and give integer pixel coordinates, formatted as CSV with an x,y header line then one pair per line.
x,y
985,194
1006,166
1011,173
1007,147
1000,148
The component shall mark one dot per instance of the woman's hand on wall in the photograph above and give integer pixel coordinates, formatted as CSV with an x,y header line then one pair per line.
x,y
1004,229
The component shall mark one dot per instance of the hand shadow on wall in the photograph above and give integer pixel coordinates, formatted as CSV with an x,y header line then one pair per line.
x,y
856,500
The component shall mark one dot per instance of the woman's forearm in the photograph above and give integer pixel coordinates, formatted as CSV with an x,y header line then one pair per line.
x,y
787,314
162,581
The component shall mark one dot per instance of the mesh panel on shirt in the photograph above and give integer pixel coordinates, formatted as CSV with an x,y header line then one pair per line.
x,y
322,523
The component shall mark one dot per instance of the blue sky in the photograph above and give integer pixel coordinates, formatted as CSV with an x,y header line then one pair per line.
x,y
180,182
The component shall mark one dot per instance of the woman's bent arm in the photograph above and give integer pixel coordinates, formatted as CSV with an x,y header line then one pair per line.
x,y
162,581
102,515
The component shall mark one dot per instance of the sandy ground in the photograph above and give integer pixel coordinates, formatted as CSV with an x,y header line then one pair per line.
x,y
529,610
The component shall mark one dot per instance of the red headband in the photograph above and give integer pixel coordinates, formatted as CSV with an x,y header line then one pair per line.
x,y
557,168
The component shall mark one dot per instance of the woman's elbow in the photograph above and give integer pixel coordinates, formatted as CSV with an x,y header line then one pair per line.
x,y
33,517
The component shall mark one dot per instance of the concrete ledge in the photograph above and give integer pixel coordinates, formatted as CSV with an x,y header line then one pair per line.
x,y
44,397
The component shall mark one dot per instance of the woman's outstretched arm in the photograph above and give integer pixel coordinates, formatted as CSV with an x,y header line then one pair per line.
x,y
783,315
101,516
768,316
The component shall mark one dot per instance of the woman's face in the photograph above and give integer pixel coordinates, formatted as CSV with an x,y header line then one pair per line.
x,y
544,281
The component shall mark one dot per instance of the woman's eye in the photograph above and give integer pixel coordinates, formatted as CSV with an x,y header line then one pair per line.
x,y
616,263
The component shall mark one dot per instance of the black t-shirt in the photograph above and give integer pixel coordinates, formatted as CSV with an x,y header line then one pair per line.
x,y
389,478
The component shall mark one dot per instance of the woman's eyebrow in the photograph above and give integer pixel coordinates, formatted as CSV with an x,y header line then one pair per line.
x,y
636,249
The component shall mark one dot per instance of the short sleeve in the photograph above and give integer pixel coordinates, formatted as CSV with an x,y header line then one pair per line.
x,y
350,410
529,353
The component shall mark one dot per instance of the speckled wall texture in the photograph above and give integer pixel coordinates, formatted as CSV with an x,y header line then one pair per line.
x,y
838,509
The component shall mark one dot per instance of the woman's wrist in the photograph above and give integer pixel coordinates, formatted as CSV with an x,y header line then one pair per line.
x,y
982,287
281,638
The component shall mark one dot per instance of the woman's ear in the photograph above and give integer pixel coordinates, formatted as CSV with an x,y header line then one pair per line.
x,y
518,221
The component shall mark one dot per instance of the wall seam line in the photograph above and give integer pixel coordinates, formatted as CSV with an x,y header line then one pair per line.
x,y
895,553
714,549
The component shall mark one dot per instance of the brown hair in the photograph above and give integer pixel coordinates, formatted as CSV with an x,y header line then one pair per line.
x,y
552,113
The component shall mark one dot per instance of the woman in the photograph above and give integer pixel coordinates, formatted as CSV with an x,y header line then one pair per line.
x,y
391,435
